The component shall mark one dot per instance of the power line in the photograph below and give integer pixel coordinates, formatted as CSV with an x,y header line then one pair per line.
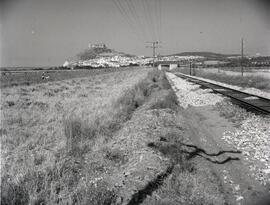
x,y
130,20
156,20
126,17
122,13
242,55
143,17
145,20
137,16
151,19
148,19
160,18
133,16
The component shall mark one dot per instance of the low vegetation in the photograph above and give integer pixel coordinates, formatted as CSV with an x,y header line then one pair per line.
x,y
258,82
46,125
119,144
23,77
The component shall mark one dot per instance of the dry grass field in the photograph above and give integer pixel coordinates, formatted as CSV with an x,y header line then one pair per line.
x,y
37,119
259,82
28,77
112,138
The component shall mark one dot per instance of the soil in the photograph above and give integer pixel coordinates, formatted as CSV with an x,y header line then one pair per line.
x,y
204,127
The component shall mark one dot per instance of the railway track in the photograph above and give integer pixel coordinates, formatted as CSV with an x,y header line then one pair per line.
x,y
248,101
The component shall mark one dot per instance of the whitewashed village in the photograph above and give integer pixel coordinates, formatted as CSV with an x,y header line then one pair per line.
x,y
104,58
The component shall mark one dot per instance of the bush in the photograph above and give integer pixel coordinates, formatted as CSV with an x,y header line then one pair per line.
x,y
73,134
115,155
163,99
12,193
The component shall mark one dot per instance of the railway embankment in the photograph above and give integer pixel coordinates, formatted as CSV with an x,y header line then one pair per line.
x,y
215,124
248,89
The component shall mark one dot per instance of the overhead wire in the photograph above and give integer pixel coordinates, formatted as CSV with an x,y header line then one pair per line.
x,y
123,15
133,17
152,20
144,17
160,19
137,17
157,11
148,19
155,19
145,22
160,23
126,17
154,12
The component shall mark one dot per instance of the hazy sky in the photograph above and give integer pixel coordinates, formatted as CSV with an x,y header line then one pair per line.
x,y
46,32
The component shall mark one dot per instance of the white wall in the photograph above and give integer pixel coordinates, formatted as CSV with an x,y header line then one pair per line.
x,y
173,66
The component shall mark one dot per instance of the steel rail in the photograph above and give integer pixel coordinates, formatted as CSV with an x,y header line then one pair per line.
x,y
250,105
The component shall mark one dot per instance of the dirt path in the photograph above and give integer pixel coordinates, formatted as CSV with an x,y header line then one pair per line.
x,y
205,127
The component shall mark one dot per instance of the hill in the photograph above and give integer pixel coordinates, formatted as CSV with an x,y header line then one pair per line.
x,y
99,52
209,55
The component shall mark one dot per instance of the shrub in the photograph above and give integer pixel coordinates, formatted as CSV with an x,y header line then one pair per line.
x,y
154,76
115,155
10,103
163,99
78,137
12,193
95,194
43,106
82,95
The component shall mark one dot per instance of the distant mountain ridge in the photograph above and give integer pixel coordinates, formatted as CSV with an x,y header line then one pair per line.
x,y
211,55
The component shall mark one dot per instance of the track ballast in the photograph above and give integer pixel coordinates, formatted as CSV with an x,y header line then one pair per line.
x,y
248,101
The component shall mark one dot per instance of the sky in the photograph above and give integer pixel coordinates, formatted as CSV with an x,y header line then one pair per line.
x,y
47,32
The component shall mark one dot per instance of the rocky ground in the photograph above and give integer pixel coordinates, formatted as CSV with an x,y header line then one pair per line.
x,y
252,138
253,91
219,125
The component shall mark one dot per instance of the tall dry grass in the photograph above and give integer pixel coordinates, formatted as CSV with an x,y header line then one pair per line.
x,y
64,147
258,82
47,128
50,129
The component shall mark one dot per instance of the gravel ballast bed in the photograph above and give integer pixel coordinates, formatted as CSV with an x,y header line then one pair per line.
x,y
191,94
252,91
252,138
252,133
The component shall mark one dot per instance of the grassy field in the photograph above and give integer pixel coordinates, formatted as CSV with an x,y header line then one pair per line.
x,y
20,77
246,81
111,138
248,68
38,121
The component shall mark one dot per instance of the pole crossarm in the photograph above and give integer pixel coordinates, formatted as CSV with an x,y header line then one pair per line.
x,y
154,45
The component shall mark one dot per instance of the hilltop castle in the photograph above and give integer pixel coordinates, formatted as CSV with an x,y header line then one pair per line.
x,y
97,45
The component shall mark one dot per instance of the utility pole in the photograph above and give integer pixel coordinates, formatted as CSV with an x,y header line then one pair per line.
x,y
190,66
154,46
242,56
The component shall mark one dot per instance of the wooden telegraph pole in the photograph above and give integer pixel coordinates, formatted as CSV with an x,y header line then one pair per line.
x,y
154,46
242,56
190,66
